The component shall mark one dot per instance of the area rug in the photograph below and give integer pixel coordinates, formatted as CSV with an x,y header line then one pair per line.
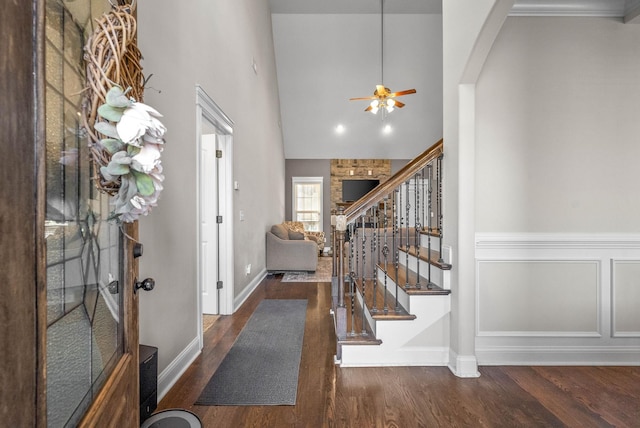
x,y
322,273
261,368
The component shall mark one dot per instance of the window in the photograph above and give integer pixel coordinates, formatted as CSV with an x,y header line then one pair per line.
x,y
307,202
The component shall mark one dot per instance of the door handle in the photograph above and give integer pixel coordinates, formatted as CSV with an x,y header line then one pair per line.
x,y
146,285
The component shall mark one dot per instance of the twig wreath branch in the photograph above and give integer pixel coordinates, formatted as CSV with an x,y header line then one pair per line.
x,y
125,135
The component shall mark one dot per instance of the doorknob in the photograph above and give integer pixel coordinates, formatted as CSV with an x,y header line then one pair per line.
x,y
146,285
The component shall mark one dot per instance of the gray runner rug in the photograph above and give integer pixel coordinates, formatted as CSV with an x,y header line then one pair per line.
x,y
261,368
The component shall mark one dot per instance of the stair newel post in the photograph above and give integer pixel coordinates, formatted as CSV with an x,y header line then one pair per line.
x,y
407,228
395,244
334,271
385,254
418,226
439,201
430,191
341,310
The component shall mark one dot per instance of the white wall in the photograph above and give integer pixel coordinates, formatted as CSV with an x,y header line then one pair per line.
x,y
462,25
557,203
557,138
325,59
210,43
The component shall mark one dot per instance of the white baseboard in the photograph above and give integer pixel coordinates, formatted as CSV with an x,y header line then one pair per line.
x,y
559,355
244,294
177,367
463,365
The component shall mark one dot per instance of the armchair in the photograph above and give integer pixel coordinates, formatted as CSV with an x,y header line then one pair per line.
x,y
298,226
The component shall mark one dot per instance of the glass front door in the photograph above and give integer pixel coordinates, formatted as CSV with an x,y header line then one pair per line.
x,y
83,249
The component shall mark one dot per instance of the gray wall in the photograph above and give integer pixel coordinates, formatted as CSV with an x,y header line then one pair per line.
x,y
319,168
557,138
210,43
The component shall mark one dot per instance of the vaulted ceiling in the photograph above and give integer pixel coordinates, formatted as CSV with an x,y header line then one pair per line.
x,y
331,50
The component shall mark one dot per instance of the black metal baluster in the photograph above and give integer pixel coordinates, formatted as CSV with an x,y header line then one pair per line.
x,y
439,201
352,277
406,226
418,227
364,283
396,251
374,253
385,253
430,190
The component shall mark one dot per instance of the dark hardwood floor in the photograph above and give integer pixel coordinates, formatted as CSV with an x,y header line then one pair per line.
x,y
329,396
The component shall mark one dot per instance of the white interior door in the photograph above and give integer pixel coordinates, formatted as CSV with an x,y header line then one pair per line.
x,y
209,250
215,212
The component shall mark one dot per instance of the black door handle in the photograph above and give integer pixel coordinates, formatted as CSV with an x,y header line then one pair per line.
x,y
146,285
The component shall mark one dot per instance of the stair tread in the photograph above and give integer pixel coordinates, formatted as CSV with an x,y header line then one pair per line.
x,y
378,311
433,259
401,280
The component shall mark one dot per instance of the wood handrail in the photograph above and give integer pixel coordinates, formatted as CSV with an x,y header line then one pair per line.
x,y
375,196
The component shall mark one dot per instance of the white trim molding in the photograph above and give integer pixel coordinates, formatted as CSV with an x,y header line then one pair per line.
x,y
590,8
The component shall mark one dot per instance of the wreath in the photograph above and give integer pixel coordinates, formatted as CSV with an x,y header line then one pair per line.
x,y
125,136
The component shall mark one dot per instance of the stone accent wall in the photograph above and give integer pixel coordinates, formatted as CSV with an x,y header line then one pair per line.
x,y
380,169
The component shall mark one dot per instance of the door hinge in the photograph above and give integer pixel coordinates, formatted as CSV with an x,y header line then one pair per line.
x,y
219,219
219,154
219,285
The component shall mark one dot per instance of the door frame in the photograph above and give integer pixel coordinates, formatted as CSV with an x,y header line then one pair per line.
x,y
23,296
207,109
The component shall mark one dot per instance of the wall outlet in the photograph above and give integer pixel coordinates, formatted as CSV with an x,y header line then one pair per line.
x,y
248,270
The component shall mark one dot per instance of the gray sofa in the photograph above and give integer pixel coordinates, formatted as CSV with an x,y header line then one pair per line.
x,y
289,251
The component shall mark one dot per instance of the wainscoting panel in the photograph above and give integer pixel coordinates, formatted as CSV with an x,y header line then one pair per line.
x,y
557,299
538,298
625,296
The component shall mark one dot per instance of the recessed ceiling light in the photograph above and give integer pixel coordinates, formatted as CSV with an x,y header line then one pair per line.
x,y
340,129
387,129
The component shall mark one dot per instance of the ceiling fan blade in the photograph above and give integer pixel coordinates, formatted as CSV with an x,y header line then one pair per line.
x,y
368,108
362,98
398,104
400,93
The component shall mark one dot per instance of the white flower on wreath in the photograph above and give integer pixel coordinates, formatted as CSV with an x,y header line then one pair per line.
x,y
140,120
135,144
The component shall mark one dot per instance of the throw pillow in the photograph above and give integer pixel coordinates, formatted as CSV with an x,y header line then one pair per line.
x,y
280,231
295,235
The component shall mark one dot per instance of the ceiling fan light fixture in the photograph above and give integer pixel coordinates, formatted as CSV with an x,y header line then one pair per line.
x,y
382,96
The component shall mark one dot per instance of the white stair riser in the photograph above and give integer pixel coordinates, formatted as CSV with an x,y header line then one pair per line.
x,y
443,280
435,242
436,272
396,348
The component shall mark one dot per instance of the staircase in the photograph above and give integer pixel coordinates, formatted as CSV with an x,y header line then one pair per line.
x,y
390,288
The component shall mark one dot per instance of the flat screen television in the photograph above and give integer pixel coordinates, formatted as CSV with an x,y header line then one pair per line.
x,y
352,190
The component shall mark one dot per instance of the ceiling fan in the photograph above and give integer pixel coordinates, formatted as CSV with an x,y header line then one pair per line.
x,y
382,97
